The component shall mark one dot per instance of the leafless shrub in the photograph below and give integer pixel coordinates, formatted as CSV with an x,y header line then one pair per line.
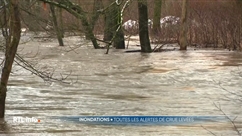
x,y
232,121
218,106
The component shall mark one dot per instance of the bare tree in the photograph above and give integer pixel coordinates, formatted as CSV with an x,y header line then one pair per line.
x,y
97,6
4,18
157,16
183,30
56,26
11,49
143,26
109,21
119,35
78,12
112,24
60,19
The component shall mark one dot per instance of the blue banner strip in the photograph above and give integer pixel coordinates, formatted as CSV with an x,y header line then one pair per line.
x,y
142,120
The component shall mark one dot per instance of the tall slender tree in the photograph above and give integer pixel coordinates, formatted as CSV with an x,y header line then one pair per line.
x,y
60,19
97,5
143,26
10,51
56,26
119,35
183,30
112,25
239,5
4,18
109,21
157,16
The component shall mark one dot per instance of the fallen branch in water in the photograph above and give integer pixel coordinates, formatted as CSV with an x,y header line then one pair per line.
x,y
231,120
237,94
208,130
46,76
157,49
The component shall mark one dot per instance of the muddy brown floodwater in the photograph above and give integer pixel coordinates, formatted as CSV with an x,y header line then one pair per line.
x,y
167,83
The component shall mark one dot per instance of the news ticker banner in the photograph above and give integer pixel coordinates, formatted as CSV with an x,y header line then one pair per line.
x,y
142,120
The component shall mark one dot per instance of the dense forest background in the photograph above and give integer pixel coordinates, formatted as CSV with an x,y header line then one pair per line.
x,y
210,23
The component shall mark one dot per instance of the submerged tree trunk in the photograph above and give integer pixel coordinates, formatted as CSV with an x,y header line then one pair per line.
x,y
143,26
119,35
11,49
56,27
183,30
157,15
112,26
97,5
119,40
109,22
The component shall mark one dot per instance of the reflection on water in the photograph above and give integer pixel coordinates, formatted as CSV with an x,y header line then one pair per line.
x,y
167,83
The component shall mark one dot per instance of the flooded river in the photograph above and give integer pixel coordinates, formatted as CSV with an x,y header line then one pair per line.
x,y
167,83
